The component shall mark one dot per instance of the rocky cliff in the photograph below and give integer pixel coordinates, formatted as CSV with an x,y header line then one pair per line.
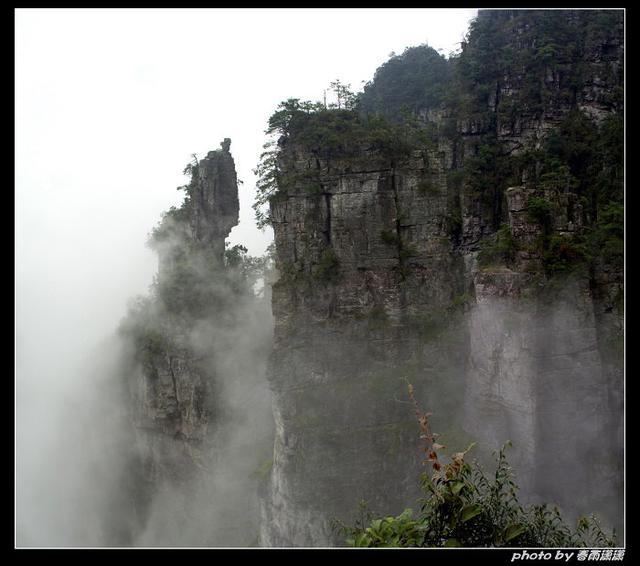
x,y
457,227
479,263
367,298
197,395
173,397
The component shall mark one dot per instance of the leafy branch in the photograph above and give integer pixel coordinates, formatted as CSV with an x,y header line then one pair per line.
x,y
463,506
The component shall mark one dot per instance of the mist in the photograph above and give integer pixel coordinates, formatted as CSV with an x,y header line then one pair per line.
x,y
70,452
89,472
78,459
110,107
530,355
214,503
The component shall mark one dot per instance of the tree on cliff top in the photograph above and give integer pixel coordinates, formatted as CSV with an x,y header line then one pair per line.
x,y
338,132
416,80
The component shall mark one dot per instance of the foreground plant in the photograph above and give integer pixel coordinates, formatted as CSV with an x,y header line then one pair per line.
x,y
463,506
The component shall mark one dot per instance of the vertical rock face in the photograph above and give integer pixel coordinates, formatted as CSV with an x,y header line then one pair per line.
x,y
536,377
197,392
174,394
365,303
544,368
382,282
215,199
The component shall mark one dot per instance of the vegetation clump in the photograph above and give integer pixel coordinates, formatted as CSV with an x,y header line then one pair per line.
x,y
415,80
328,267
539,210
562,254
501,249
464,506
327,132
193,285
512,67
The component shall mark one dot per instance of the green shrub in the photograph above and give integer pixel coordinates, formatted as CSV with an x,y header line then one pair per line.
x,y
407,251
328,268
540,210
607,238
563,254
463,506
499,250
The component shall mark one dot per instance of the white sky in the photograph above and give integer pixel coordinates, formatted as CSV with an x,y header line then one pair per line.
x,y
110,105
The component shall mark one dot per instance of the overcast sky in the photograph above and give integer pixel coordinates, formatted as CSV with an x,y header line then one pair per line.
x,y
110,105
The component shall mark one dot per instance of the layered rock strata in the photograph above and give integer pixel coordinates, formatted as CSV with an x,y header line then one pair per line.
x,y
381,285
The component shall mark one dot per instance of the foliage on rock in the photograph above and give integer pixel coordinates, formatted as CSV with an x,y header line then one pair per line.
x,y
465,506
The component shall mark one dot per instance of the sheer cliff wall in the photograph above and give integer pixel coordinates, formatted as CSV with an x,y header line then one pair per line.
x,y
197,394
382,282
